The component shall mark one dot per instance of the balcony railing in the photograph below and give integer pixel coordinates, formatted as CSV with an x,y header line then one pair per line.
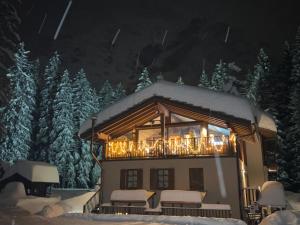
x,y
172,147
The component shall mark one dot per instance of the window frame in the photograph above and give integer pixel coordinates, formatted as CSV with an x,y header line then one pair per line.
x,y
193,183
135,175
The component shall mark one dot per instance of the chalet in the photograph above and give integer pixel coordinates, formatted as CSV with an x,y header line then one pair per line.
x,y
180,137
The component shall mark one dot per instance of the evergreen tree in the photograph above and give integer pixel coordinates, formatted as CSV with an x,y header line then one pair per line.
x,y
219,76
18,115
9,39
119,92
84,105
47,94
252,85
106,95
289,160
180,81
293,138
203,81
263,68
144,80
62,134
95,175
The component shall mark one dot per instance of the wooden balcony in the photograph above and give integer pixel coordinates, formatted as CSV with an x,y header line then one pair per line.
x,y
176,147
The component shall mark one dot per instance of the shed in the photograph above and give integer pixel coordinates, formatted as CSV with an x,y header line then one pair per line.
x,y
37,177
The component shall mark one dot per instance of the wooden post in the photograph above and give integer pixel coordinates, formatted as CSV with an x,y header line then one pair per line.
x,y
93,134
162,130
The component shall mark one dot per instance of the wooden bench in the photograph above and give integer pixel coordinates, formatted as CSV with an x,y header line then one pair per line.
x,y
127,202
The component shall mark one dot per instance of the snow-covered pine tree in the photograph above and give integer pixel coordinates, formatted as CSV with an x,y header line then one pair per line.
x,y
84,106
62,133
290,160
106,95
9,39
204,81
219,76
119,92
47,94
252,84
180,81
144,80
293,137
263,68
18,115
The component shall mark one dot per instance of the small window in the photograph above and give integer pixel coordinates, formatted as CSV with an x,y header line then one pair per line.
x,y
162,179
196,179
131,179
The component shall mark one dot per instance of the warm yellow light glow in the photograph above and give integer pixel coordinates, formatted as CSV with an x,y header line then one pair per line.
x,y
188,144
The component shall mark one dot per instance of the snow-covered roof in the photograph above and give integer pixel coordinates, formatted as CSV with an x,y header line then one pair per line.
x,y
181,196
33,171
229,104
265,121
130,195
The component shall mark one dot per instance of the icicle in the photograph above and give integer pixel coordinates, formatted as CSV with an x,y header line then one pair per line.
x,y
62,20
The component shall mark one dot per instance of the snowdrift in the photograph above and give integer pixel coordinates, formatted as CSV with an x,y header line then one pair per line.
x,y
13,195
293,200
272,194
71,205
284,217
179,220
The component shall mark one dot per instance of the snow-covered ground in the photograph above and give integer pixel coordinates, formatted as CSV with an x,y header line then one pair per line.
x,y
149,219
17,208
285,217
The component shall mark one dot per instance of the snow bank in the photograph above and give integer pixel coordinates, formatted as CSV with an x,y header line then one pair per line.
x,y
11,193
179,220
293,200
200,97
272,194
181,196
34,205
284,217
33,171
71,205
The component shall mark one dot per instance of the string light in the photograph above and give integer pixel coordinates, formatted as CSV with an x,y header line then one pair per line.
x,y
189,144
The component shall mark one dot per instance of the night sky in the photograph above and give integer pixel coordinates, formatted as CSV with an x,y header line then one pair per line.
x,y
196,33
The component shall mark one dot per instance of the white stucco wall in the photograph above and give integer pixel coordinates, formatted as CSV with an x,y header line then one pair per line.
x,y
211,182
255,168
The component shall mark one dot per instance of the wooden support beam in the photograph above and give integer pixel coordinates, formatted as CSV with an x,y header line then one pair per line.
x,y
132,118
131,127
123,118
